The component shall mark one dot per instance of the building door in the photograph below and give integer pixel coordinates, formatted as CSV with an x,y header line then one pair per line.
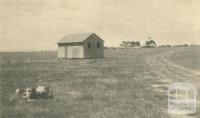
x,y
66,52
75,52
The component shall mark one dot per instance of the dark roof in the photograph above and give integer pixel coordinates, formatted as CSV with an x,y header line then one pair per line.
x,y
75,38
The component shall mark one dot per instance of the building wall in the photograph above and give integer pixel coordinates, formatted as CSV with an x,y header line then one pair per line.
x,y
70,52
94,51
75,52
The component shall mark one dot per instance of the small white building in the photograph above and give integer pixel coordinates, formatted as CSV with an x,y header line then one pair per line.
x,y
86,45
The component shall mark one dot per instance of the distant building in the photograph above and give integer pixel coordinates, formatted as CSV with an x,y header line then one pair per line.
x,y
86,45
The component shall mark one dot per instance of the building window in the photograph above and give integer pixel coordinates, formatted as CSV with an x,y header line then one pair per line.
x,y
98,45
89,45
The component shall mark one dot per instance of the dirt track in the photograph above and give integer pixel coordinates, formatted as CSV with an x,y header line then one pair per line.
x,y
170,73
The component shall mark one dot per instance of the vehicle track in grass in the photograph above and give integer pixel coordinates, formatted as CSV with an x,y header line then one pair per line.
x,y
170,73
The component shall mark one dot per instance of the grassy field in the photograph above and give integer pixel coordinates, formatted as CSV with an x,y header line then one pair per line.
x,y
121,85
188,57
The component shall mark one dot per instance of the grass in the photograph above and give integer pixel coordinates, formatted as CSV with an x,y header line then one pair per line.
x,y
188,57
117,86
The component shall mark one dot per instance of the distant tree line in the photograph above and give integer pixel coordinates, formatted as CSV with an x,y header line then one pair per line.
x,y
127,44
150,44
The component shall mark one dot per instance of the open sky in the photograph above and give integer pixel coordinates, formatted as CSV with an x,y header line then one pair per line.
x,y
39,24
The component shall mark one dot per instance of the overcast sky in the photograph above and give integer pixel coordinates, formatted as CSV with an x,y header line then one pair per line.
x,y
39,24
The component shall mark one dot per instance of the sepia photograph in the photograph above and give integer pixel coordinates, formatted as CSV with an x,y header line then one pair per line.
x,y
99,58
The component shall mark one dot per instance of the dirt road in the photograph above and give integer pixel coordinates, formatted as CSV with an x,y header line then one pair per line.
x,y
170,73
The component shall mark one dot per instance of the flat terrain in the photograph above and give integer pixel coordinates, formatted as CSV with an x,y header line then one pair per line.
x,y
125,84
187,57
